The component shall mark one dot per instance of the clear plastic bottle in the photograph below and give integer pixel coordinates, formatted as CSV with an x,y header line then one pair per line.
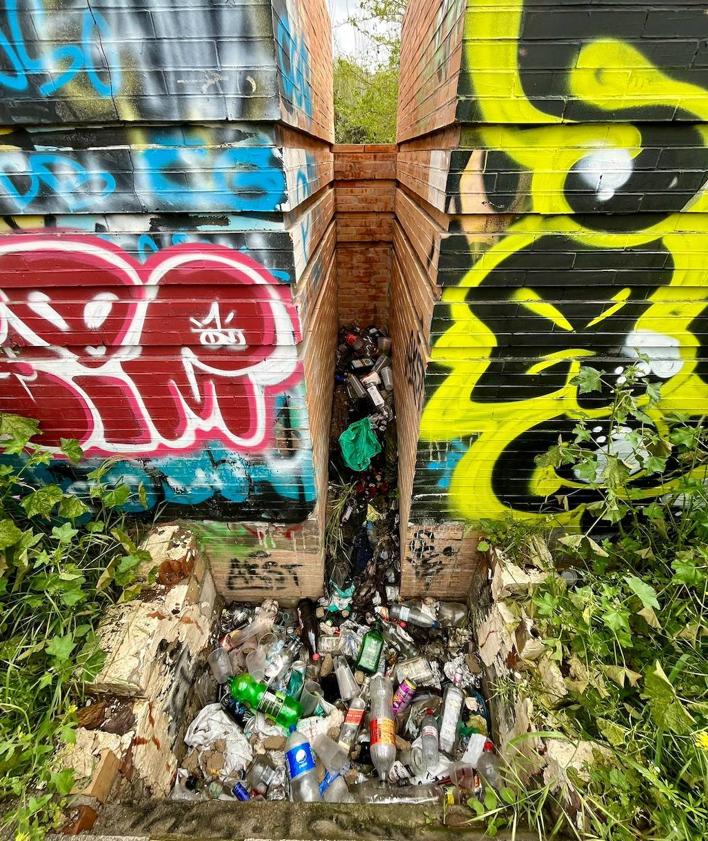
x,y
452,614
412,615
351,724
348,687
301,769
381,726
337,791
260,775
429,738
333,757
452,707
488,766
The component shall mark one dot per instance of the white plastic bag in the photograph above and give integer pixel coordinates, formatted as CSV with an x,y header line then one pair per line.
x,y
212,725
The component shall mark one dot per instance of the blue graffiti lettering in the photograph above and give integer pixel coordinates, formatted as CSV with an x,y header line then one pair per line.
x,y
294,63
64,62
73,184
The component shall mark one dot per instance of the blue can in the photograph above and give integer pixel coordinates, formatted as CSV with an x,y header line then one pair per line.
x,y
240,792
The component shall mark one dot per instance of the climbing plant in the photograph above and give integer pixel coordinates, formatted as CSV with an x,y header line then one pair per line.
x,y
64,557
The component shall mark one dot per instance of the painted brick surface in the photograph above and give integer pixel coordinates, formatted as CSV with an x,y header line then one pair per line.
x,y
551,189
166,184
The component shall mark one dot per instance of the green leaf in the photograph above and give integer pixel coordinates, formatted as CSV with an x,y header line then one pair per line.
x,y
9,534
117,497
71,507
490,798
16,432
588,380
686,571
645,592
64,533
654,464
63,781
667,711
125,567
476,806
614,734
61,647
483,546
71,449
42,502
507,795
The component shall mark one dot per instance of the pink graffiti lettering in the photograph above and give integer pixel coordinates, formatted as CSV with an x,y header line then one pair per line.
x,y
150,358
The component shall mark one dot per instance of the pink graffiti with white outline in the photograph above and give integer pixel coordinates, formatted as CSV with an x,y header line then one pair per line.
x,y
142,359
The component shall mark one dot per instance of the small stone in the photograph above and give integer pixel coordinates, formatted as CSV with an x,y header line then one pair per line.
x,y
359,677
274,742
320,613
327,665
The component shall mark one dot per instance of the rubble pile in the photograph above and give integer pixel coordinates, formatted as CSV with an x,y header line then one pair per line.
x,y
357,698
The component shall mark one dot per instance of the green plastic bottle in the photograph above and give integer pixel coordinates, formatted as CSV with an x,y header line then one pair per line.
x,y
370,652
276,706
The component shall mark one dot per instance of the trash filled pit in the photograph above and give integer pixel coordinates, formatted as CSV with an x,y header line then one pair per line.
x,y
355,698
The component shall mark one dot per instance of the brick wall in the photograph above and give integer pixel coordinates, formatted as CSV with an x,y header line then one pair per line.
x,y
166,260
551,166
365,186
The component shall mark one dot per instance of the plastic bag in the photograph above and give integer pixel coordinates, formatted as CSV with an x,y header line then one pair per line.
x,y
359,444
213,725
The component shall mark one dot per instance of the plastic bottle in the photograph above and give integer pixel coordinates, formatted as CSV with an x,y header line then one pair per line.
x,y
403,697
297,679
452,614
301,769
381,726
418,669
412,615
370,652
348,687
351,724
356,389
488,767
333,757
280,708
337,791
369,793
277,670
397,638
308,626
429,738
452,707
260,774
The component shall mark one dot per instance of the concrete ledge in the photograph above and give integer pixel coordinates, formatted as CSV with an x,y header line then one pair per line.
x,y
278,821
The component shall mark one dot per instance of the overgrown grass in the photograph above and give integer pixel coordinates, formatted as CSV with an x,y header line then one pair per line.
x,y
626,640
63,559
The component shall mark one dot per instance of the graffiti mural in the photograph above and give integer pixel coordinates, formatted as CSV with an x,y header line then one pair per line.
x,y
186,362
604,259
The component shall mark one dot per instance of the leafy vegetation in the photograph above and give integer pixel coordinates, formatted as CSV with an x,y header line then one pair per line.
x,y
366,86
63,559
621,616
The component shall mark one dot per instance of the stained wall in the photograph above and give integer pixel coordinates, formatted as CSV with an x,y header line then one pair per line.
x,y
551,211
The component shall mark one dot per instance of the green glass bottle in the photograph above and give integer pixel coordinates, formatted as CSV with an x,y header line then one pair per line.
x,y
370,652
276,706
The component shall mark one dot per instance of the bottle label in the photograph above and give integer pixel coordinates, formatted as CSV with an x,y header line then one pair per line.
x,y
382,731
271,704
370,656
429,730
404,613
329,778
354,716
300,760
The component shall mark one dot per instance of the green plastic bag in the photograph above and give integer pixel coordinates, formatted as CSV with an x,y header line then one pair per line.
x,y
359,444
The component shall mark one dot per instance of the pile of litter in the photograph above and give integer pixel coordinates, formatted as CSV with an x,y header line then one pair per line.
x,y
376,707
359,698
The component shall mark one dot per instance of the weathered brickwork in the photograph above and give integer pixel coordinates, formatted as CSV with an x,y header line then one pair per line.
x,y
552,165
165,181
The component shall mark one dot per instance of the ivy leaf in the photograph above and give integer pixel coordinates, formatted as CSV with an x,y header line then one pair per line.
x,y
686,571
646,593
72,507
650,618
16,432
667,711
61,647
9,534
483,546
71,449
586,470
63,781
42,502
614,734
654,464
117,497
588,380
64,533
617,620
